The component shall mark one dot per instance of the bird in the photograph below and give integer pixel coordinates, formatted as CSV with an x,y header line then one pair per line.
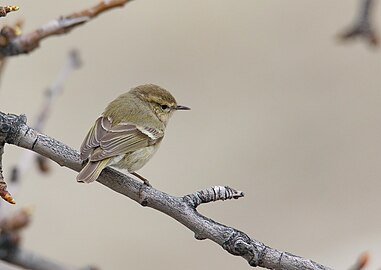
x,y
128,133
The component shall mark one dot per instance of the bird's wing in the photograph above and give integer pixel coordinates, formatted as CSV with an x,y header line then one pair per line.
x,y
104,140
93,137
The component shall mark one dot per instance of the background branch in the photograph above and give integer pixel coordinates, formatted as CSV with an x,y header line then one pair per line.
x,y
33,261
72,63
362,261
26,43
13,130
363,26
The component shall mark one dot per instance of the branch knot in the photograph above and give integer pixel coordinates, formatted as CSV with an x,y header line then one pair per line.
x,y
240,244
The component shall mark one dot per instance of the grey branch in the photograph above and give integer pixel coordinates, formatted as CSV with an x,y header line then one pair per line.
x,y
28,260
363,26
14,130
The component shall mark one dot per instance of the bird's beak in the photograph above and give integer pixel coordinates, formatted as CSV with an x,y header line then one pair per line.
x,y
184,108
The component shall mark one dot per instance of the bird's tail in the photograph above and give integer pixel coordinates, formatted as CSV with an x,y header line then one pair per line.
x,y
92,170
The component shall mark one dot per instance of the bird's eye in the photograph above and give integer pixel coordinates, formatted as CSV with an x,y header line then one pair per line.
x,y
164,107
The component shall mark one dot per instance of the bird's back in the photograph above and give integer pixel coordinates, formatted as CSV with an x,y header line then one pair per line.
x,y
136,112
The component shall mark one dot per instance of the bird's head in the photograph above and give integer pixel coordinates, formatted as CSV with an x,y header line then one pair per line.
x,y
160,101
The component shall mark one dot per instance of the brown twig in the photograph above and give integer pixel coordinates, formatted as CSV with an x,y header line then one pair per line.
x,y
6,9
28,42
3,186
99,8
17,221
362,261
363,26
13,130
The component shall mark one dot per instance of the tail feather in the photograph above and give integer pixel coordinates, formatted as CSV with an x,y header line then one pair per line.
x,y
92,170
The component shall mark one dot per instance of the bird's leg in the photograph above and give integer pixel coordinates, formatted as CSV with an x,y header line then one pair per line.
x,y
145,181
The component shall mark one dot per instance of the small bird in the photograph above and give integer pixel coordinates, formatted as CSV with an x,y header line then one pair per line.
x,y
129,131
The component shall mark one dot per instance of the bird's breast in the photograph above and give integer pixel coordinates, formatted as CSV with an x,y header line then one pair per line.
x,y
135,160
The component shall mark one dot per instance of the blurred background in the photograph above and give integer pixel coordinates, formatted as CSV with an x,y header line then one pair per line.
x,y
280,110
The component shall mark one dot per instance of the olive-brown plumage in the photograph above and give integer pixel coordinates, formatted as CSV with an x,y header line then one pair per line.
x,y
129,131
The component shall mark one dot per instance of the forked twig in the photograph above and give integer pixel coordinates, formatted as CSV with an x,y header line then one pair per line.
x,y
363,26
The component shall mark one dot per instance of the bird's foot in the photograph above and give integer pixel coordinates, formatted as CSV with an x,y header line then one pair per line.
x,y
145,181
146,184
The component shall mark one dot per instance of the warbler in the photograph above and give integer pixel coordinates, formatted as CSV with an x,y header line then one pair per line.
x,y
129,132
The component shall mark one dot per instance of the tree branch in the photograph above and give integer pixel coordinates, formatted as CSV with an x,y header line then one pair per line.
x,y
13,130
363,26
26,43
362,262
32,261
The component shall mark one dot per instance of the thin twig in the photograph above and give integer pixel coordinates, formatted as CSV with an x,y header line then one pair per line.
x,y
362,261
363,26
33,261
72,63
99,8
13,130
28,42
4,193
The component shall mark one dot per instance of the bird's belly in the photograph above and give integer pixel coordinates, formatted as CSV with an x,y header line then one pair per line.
x,y
135,160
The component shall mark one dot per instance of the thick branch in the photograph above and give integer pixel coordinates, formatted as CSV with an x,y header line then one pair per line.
x,y
26,43
13,130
